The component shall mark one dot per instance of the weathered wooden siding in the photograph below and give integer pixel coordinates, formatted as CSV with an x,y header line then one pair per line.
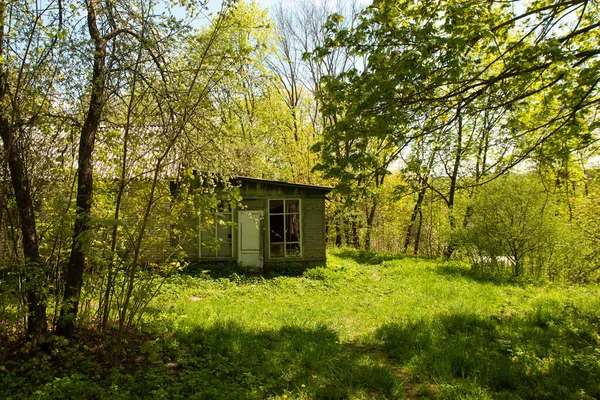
x,y
255,196
255,204
313,228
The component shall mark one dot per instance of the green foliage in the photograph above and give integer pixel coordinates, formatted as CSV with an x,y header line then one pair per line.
x,y
517,224
461,92
510,220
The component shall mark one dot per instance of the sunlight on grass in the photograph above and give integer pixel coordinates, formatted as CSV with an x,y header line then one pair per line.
x,y
390,327
365,326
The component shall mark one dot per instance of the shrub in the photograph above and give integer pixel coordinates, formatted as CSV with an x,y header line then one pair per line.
x,y
517,225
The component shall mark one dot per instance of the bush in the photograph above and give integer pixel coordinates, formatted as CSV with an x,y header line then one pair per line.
x,y
517,225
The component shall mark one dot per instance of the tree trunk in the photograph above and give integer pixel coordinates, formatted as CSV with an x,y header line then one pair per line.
x,y
452,192
121,192
355,239
369,231
423,182
413,217
337,221
347,232
85,169
418,236
36,301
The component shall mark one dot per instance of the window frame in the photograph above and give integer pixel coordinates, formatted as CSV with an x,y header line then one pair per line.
x,y
285,242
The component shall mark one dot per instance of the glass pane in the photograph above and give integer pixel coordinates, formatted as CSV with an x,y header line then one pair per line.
x,y
277,250
208,245
276,206
276,226
224,250
293,228
292,206
223,206
224,227
207,239
292,250
207,253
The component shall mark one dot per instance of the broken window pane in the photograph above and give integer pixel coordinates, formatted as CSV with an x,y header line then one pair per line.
x,y
276,206
293,227
277,250
285,225
276,227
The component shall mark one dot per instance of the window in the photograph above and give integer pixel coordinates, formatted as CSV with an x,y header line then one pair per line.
x,y
284,228
216,233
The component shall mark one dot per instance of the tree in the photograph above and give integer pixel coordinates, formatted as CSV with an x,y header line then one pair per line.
x,y
513,219
85,170
163,123
30,35
436,69
300,30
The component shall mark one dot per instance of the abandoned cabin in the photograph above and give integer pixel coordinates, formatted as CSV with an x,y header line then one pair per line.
x,y
278,224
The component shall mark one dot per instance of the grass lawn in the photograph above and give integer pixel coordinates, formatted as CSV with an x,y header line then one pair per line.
x,y
366,326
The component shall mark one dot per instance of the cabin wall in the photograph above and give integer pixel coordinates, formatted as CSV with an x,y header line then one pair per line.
x,y
255,197
313,229
167,228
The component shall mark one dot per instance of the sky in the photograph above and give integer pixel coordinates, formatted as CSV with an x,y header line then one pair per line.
x,y
215,5
265,3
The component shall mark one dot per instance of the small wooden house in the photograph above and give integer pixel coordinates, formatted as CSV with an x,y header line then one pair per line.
x,y
279,224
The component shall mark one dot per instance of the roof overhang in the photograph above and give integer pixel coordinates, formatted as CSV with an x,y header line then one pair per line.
x,y
324,189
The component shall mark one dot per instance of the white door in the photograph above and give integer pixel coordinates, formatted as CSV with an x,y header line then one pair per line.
x,y
250,239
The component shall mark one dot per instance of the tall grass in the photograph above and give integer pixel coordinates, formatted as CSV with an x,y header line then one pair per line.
x,y
366,326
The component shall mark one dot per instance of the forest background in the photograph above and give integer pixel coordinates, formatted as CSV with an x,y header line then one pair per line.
x,y
457,129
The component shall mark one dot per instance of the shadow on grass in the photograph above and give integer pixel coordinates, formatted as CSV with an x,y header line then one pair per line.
x,y
461,270
366,256
214,270
230,270
548,354
225,361
228,361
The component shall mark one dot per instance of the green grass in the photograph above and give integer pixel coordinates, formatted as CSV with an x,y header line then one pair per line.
x,y
366,326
